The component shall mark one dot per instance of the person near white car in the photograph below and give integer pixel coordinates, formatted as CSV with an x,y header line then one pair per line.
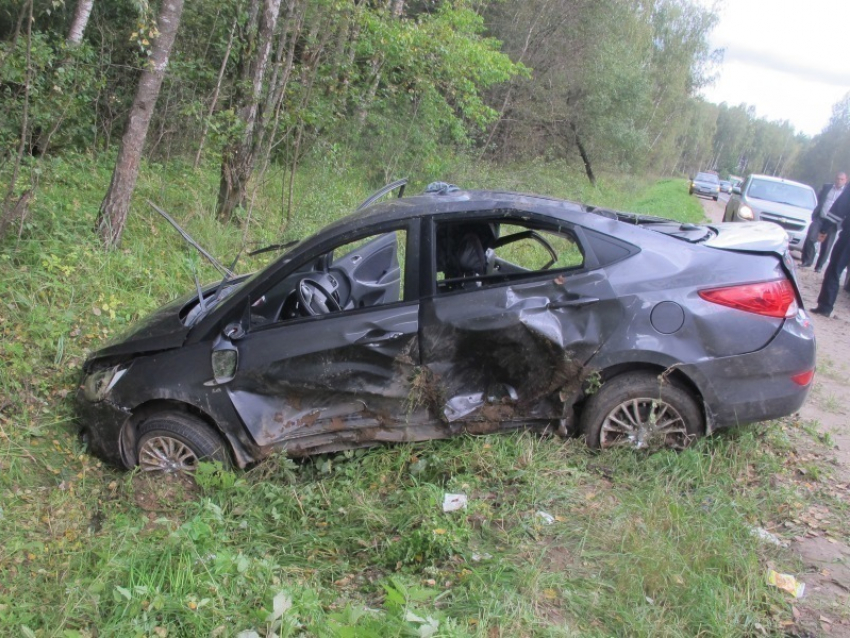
x,y
826,198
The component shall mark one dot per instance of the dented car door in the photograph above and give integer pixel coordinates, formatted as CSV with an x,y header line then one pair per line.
x,y
512,343
306,382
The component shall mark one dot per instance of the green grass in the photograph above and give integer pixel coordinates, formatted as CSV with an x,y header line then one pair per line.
x,y
353,544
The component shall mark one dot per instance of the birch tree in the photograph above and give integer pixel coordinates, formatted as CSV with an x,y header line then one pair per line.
x,y
239,156
112,216
79,23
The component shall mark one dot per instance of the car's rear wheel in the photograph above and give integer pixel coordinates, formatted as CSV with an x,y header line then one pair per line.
x,y
176,442
639,410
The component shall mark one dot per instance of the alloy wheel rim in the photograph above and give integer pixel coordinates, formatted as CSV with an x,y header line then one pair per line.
x,y
166,454
644,423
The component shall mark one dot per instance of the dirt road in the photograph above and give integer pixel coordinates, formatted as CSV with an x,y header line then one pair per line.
x,y
824,554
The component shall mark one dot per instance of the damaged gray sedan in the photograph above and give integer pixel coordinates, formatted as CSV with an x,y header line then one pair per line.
x,y
456,312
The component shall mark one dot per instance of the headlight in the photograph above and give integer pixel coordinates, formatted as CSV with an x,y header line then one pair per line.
x,y
100,382
745,212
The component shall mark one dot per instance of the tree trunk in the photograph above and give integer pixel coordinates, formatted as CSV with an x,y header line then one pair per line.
x,y
238,157
116,205
216,93
78,26
283,63
584,157
9,211
506,101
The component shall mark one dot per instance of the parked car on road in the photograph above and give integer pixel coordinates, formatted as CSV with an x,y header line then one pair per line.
x,y
706,184
460,311
774,199
725,186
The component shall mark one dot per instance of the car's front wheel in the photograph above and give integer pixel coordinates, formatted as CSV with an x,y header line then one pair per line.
x,y
639,410
176,442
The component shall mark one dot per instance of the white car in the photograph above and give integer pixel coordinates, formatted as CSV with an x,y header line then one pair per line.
x,y
774,199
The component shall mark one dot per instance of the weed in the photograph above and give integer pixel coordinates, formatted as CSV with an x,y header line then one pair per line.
x,y
832,404
828,368
810,427
593,383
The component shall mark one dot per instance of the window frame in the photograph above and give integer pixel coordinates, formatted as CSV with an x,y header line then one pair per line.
x,y
429,285
410,269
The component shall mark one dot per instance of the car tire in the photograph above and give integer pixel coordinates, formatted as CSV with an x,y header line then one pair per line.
x,y
624,413
176,442
716,197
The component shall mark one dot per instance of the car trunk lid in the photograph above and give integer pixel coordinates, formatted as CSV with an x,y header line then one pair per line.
x,y
747,237
750,237
757,237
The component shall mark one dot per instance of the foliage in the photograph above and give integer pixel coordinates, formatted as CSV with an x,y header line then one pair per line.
x,y
62,84
829,152
613,74
405,86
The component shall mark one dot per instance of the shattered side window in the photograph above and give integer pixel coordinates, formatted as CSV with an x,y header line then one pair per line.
x,y
478,253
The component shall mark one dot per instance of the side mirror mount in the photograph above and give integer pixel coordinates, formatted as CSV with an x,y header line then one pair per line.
x,y
236,330
736,190
233,331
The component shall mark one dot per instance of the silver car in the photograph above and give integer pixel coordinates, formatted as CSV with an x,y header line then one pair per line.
x,y
773,199
706,184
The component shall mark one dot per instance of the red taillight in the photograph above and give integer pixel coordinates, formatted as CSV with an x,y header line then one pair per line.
x,y
804,378
768,298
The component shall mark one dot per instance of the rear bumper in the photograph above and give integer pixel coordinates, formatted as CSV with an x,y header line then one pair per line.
x,y
708,192
758,386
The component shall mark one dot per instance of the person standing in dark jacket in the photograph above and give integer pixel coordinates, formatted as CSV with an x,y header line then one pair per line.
x,y
826,198
838,215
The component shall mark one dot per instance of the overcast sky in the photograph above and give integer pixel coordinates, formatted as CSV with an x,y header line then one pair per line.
x,y
788,58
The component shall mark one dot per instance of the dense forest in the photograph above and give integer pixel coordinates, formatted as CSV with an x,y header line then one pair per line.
x,y
397,85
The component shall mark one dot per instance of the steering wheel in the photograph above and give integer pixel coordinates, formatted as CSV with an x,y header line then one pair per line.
x,y
315,299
